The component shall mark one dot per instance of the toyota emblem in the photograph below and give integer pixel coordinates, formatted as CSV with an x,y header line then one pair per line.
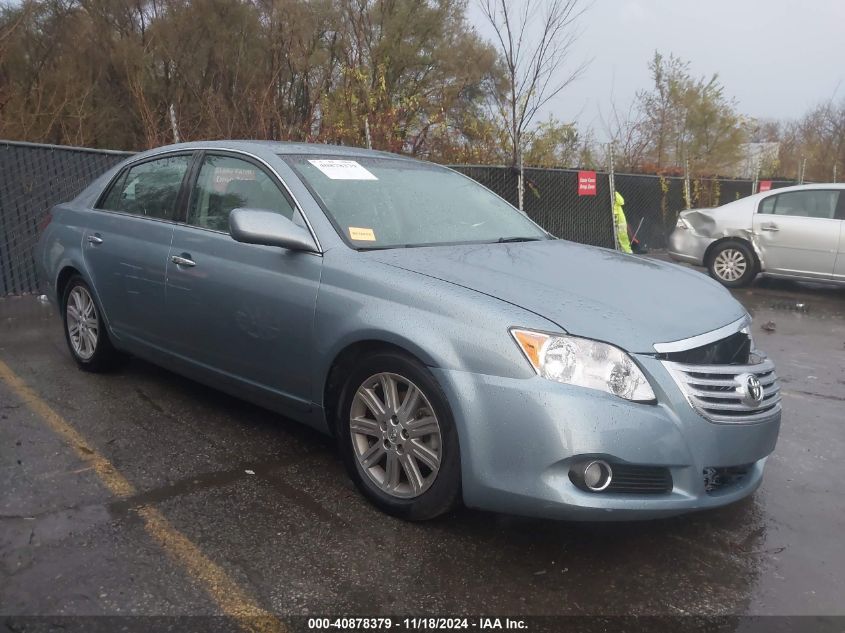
x,y
750,389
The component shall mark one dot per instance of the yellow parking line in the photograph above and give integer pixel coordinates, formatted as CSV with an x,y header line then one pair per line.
x,y
232,600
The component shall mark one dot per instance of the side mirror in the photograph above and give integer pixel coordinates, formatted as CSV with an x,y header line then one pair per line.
x,y
253,226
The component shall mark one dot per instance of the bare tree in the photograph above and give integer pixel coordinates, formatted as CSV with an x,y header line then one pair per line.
x,y
535,62
625,129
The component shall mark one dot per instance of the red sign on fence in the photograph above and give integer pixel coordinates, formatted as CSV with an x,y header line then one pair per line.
x,y
586,183
765,185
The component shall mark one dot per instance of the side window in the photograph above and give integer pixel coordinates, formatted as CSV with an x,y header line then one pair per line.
x,y
807,204
768,205
149,189
225,183
112,200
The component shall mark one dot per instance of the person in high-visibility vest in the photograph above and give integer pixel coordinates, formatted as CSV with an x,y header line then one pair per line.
x,y
621,224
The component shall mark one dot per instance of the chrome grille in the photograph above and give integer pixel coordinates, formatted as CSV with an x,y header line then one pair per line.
x,y
721,392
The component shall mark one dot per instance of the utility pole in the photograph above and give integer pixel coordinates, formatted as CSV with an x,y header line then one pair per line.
x,y
687,195
803,169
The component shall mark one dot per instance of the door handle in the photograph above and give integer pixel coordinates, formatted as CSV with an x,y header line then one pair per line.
x,y
770,227
183,261
95,239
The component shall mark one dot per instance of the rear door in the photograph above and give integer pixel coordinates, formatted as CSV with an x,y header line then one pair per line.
x,y
127,243
798,232
241,312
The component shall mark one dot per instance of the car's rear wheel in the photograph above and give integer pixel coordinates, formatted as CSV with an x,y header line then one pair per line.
x,y
85,331
733,264
398,437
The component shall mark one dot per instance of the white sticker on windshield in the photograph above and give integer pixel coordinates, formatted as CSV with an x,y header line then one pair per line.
x,y
342,169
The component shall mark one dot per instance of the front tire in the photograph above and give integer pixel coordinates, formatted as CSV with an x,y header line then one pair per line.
x,y
733,264
85,330
398,438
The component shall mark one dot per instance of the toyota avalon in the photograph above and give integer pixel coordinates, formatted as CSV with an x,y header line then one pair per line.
x,y
455,350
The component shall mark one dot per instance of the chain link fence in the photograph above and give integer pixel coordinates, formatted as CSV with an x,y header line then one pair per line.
x,y
33,178
652,203
551,199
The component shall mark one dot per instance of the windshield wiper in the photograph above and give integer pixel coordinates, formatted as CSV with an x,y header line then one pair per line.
x,y
503,240
500,240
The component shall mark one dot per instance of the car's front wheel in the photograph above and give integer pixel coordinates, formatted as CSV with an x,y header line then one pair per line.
x,y
733,264
398,437
85,331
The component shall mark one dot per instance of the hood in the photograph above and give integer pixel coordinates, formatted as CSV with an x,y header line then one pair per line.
x,y
592,292
619,199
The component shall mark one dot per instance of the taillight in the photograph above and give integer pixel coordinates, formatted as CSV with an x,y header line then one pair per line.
x,y
45,220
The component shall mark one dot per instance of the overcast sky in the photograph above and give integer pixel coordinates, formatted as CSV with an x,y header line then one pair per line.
x,y
776,57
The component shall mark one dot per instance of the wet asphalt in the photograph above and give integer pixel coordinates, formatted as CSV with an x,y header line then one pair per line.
x,y
299,540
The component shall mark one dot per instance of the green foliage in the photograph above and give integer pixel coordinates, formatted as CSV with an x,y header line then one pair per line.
x,y
818,137
689,118
553,144
104,73
664,200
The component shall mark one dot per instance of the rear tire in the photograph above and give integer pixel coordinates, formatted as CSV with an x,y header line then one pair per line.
x,y
398,439
732,263
85,330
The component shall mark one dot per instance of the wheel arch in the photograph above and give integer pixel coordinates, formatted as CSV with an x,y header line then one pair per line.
x,y
345,359
62,279
66,272
708,253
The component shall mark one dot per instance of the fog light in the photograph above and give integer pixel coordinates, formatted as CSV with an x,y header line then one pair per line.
x,y
597,475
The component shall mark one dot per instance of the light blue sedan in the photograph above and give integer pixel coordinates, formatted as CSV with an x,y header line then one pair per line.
x,y
454,349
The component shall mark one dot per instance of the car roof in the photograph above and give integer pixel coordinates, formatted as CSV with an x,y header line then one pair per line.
x,y
807,187
280,147
755,198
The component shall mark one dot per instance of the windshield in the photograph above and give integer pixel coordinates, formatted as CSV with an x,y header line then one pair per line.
x,y
387,202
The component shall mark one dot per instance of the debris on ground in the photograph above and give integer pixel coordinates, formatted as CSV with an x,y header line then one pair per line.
x,y
769,326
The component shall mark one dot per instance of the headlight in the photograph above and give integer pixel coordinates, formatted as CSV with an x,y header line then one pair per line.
x,y
747,331
586,363
683,224
754,356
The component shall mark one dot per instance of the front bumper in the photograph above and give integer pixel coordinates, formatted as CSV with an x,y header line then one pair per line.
x,y
519,436
685,245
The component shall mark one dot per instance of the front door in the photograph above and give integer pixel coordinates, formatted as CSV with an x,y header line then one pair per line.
x,y
798,232
126,244
241,312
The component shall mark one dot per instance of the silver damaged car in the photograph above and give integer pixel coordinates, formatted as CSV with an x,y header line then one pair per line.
x,y
791,233
455,350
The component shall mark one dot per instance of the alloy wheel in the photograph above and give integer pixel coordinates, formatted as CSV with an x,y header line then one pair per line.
x,y
83,326
395,434
730,264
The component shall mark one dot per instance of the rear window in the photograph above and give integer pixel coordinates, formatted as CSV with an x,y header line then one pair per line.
x,y
149,189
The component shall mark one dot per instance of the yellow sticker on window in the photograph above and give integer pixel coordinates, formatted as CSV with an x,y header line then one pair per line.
x,y
362,235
